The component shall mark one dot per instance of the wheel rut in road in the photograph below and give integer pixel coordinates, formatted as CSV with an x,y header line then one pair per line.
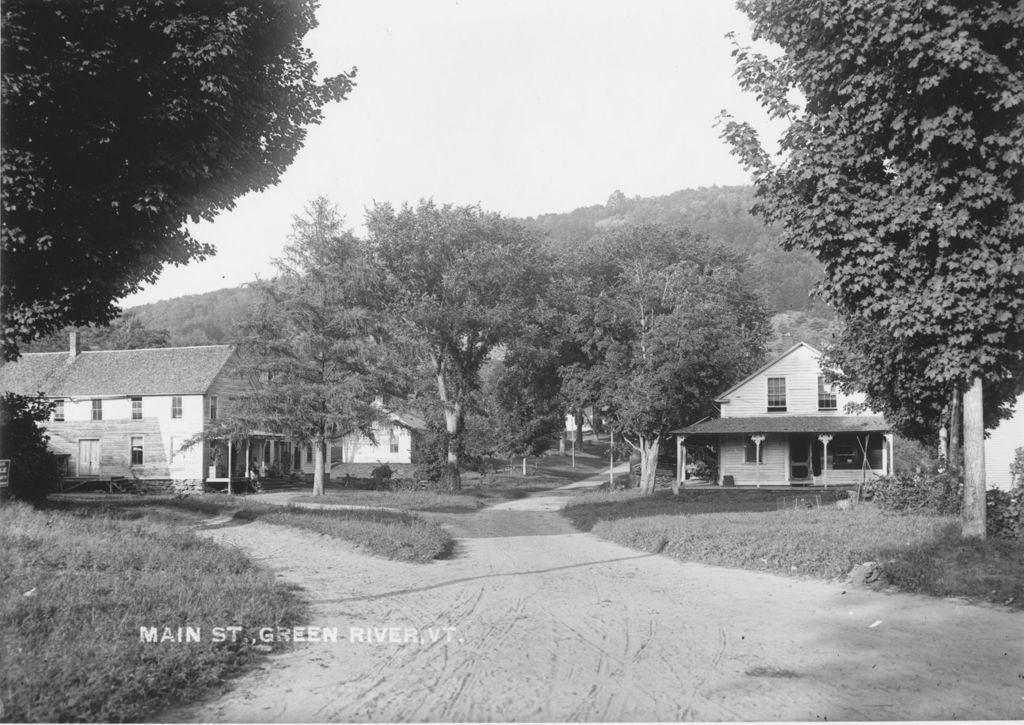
x,y
549,624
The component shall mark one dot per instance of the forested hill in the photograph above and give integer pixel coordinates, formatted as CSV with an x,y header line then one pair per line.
x,y
203,319
722,214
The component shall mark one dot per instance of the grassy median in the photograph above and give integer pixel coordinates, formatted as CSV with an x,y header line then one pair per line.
x,y
748,530
389,534
79,585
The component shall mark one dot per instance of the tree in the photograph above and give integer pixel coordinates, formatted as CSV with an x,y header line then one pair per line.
x,y
127,332
901,172
312,349
124,120
894,381
23,441
460,282
526,410
665,324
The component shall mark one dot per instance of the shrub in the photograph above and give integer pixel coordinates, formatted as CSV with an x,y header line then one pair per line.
x,y
1017,468
34,470
1005,512
925,492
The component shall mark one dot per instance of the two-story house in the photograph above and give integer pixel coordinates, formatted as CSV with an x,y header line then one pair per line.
x,y
129,413
784,425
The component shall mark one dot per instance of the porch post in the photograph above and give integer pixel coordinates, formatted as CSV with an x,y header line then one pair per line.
x,y
758,440
229,467
889,464
825,439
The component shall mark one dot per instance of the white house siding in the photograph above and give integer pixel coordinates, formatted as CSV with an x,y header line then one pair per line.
x,y
772,471
1000,447
114,432
800,369
358,449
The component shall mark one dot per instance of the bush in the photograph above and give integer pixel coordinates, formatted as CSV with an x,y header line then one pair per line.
x,y
1004,516
940,493
34,470
1017,468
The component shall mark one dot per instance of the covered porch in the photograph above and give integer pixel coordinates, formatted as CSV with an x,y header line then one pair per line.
x,y
238,459
766,451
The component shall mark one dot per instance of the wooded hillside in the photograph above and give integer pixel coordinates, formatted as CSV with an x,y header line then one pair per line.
x,y
783,279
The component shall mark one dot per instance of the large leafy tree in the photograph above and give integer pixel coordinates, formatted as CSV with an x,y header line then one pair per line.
x,y
664,324
461,281
901,171
312,350
122,120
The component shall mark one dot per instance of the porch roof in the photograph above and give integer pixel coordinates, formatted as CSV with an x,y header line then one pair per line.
x,y
789,424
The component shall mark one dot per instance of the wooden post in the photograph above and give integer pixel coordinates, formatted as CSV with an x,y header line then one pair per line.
x,y
825,439
758,440
574,451
611,462
229,467
890,464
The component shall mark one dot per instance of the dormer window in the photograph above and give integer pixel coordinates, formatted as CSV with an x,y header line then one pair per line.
x,y
776,395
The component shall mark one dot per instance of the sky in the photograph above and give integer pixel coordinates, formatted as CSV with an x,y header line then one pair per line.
x,y
522,107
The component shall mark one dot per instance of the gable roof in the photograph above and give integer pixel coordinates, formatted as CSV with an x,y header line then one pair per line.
x,y
151,371
724,396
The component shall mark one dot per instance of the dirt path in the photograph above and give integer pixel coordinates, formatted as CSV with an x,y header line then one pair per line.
x,y
549,625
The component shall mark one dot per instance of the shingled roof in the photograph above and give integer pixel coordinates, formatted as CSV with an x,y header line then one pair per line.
x,y
152,371
789,424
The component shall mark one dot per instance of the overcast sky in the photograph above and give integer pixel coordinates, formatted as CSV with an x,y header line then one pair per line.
x,y
523,107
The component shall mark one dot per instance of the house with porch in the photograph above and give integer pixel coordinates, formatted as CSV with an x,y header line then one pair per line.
x,y
128,414
784,425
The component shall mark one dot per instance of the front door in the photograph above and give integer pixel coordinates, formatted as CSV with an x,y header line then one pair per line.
x,y
89,457
799,457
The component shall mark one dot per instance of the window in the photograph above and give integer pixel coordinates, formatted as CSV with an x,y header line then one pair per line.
x,y
393,435
750,450
309,454
97,409
826,398
213,407
136,450
58,410
176,406
136,408
847,451
776,395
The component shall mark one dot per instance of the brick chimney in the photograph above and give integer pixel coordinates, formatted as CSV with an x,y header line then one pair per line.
x,y
76,348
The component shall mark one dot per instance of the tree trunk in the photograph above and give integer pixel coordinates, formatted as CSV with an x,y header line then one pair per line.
x,y
972,518
648,463
319,465
450,478
578,419
524,465
955,459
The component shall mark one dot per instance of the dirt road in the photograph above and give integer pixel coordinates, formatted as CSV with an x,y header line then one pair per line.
x,y
547,624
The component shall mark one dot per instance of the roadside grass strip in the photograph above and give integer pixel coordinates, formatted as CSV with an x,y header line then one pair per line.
x,y
914,553
78,586
388,534
404,500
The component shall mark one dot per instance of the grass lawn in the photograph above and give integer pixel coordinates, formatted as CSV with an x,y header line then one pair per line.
x,y
746,529
388,534
78,584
